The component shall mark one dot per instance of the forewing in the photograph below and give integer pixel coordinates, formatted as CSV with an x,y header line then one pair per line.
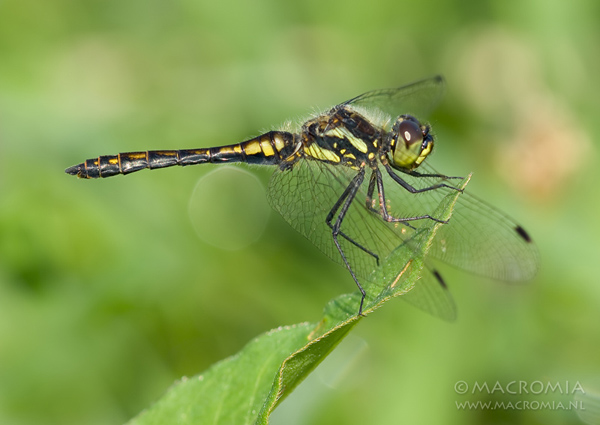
x,y
487,242
479,238
419,98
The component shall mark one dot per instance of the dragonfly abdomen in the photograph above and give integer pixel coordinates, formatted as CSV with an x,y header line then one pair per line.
x,y
267,149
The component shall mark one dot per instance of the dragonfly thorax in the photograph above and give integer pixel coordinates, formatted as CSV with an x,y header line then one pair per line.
x,y
410,142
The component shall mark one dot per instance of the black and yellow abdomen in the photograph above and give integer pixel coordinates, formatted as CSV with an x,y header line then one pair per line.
x,y
267,149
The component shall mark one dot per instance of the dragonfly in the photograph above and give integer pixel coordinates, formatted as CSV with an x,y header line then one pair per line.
x,y
353,180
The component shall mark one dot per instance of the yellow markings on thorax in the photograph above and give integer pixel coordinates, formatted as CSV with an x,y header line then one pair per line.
x,y
318,152
343,133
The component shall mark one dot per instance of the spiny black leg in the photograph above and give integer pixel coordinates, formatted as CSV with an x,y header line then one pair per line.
x,y
337,204
412,189
342,234
369,200
359,246
384,212
439,176
370,190
345,201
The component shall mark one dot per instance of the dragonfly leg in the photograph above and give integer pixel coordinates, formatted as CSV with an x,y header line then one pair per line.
x,y
369,198
382,200
439,176
412,189
343,204
370,190
332,213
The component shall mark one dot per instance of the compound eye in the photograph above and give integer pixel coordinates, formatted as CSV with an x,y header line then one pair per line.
x,y
410,133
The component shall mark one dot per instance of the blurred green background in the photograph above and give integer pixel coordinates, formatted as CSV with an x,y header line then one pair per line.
x,y
108,294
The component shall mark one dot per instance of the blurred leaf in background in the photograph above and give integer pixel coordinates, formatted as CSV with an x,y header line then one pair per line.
x,y
107,295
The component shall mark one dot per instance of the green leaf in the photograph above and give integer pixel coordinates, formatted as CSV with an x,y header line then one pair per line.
x,y
245,388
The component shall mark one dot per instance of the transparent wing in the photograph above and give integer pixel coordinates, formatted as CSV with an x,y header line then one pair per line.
x,y
418,98
479,238
487,242
431,295
306,194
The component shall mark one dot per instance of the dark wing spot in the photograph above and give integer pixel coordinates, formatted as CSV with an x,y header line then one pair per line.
x,y
440,279
523,234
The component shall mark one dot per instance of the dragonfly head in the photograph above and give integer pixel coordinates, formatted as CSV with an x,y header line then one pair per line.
x,y
410,142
